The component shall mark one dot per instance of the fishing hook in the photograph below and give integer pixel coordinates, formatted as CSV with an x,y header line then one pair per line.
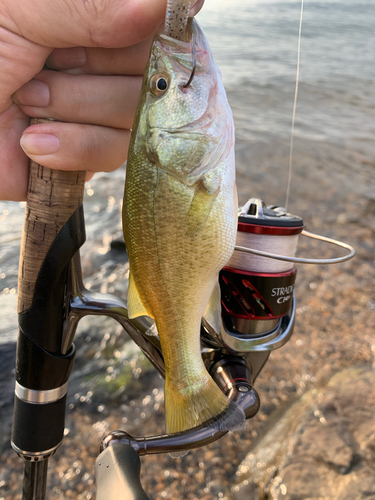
x,y
194,64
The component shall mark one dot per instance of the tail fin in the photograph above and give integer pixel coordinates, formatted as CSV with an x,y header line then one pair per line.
x,y
189,407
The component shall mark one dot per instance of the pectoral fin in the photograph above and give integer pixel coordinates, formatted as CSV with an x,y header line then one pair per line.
x,y
199,210
212,315
135,305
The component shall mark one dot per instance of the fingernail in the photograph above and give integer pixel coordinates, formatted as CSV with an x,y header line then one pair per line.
x,y
71,58
39,144
33,93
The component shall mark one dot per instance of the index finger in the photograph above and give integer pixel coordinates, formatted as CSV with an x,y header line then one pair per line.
x,y
101,61
68,23
130,60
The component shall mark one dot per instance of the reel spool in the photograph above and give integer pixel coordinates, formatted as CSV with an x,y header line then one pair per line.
x,y
257,292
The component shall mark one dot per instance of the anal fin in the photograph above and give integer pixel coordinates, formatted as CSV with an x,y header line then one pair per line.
x,y
135,304
212,314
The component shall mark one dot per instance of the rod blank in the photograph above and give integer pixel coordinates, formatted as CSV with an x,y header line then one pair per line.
x,y
35,480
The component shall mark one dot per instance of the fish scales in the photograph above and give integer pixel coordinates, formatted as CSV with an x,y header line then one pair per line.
x,y
180,218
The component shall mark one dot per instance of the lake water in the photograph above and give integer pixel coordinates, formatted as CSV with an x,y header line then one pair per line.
x,y
255,45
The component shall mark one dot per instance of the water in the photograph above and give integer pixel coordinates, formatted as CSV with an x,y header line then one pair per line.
x,y
255,45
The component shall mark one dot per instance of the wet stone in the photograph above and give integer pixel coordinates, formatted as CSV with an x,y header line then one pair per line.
x,y
318,449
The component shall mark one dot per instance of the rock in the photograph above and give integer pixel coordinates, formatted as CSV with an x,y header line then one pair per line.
x,y
322,448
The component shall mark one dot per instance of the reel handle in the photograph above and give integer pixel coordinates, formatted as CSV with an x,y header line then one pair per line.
x,y
117,472
53,196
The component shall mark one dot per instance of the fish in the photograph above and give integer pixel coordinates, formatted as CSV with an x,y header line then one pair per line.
x,y
180,219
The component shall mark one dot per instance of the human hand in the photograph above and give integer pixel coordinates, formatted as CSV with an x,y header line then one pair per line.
x,y
95,91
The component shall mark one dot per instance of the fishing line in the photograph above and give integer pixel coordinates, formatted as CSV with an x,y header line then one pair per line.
x,y
265,244
294,109
300,260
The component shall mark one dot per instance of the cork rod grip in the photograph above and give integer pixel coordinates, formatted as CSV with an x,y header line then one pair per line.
x,y
53,196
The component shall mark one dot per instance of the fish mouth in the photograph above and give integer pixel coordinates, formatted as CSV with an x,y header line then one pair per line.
x,y
179,49
197,127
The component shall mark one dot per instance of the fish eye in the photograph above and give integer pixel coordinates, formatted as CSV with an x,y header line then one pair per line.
x,y
159,84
